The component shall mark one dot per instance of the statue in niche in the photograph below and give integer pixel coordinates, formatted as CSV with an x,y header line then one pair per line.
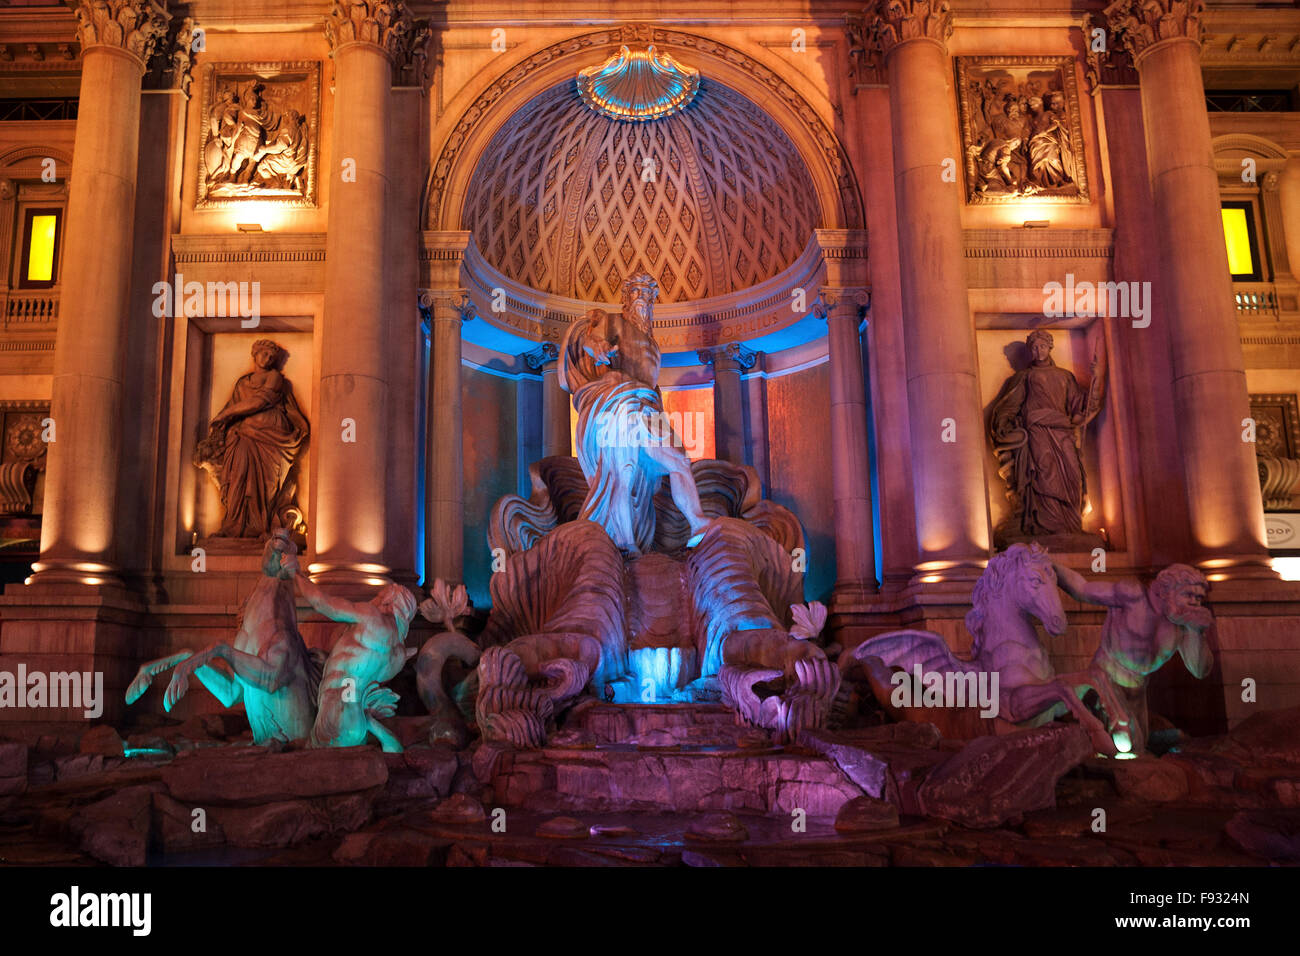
x,y
1036,426
253,448
610,364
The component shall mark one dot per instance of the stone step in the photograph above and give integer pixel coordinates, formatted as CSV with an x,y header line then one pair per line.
x,y
694,725
624,777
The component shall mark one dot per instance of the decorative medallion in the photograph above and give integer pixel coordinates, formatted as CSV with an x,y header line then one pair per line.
x,y
641,85
1021,133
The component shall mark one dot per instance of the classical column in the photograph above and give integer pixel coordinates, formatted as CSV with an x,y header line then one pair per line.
x,y
729,362
78,528
1195,291
944,410
351,433
855,542
556,433
444,482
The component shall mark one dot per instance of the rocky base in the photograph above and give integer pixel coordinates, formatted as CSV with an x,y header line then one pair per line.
x,y
681,786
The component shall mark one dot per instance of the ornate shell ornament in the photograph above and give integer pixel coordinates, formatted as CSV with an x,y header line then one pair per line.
x,y
641,85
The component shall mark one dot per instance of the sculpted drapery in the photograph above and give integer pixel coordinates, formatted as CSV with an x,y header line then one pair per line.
x,y
1035,424
625,445
253,447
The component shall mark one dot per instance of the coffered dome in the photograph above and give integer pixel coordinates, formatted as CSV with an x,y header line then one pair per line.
x,y
710,200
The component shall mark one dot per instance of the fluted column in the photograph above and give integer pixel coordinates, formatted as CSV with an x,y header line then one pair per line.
x,y
855,543
556,433
78,528
729,363
1195,291
944,408
444,484
352,431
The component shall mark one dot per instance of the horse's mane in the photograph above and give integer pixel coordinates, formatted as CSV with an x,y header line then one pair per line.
x,y
1003,568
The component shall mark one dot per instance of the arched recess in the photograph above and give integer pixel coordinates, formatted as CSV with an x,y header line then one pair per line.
x,y
26,162
463,147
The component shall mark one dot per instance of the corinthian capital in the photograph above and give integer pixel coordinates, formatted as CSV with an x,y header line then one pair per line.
x,y
135,26
1139,24
385,23
890,22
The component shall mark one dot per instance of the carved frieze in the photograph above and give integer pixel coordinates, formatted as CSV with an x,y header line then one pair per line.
x,y
260,133
1022,137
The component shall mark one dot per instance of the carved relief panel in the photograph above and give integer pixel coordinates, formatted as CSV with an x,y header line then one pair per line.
x,y
260,133
1021,133
23,449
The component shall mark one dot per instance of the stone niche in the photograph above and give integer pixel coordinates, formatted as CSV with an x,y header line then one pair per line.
x,y
219,359
1002,352
260,134
1022,136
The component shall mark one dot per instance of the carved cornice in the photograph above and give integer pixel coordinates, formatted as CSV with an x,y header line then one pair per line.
x,y
1039,243
134,26
891,22
542,356
1138,25
261,247
386,24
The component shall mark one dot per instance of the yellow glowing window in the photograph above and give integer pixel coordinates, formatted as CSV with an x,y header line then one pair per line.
x,y
40,250
1239,237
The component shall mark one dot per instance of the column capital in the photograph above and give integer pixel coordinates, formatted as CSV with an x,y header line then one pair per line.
x,y
1112,65
1139,25
543,355
386,24
889,23
442,303
858,299
742,355
132,26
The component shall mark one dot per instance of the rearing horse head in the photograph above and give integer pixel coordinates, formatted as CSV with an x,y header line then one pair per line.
x,y
1023,576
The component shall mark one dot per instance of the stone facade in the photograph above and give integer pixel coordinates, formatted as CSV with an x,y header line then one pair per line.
x,y
853,222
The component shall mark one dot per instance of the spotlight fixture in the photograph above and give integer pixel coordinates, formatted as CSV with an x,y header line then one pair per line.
x,y
1037,223
249,227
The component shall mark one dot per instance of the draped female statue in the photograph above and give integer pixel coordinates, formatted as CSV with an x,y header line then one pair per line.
x,y
253,448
